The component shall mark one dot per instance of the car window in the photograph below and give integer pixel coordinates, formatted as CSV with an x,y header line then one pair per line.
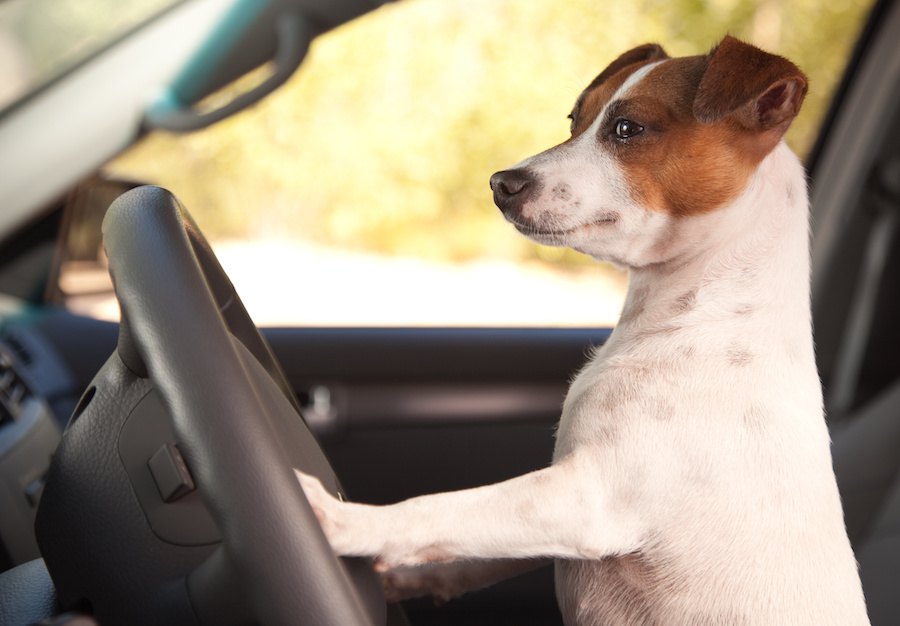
x,y
41,40
358,193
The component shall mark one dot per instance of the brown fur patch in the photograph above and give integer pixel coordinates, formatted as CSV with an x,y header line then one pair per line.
x,y
561,192
678,164
660,408
685,302
739,356
657,331
762,91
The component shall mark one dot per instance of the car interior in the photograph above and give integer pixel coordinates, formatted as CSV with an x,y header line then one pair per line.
x,y
103,519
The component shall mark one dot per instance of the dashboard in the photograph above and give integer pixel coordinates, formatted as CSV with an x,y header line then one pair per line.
x,y
38,392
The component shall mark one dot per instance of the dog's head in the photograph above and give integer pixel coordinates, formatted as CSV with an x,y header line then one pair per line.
x,y
653,140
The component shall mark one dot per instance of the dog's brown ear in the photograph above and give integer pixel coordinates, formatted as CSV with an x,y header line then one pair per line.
x,y
647,52
762,91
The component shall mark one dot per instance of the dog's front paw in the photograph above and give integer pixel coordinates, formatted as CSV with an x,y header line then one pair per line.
x,y
319,499
356,529
337,518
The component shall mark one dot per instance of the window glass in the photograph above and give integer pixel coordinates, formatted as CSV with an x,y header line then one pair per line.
x,y
42,39
358,193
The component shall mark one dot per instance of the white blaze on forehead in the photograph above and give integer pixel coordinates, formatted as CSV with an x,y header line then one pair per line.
x,y
620,94
587,138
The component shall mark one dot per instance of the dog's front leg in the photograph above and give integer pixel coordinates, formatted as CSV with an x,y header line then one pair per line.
x,y
562,511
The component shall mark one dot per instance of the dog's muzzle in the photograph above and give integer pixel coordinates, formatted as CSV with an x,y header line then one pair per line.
x,y
512,188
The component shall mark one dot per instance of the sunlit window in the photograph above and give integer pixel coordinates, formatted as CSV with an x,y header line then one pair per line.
x,y
358,193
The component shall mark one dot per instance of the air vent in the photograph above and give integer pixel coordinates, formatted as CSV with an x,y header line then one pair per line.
x,y
15,344
13,391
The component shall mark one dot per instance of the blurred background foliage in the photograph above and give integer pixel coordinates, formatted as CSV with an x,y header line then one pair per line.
x,y
385,139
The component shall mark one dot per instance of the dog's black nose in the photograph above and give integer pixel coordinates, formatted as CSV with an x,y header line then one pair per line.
x,y
511,188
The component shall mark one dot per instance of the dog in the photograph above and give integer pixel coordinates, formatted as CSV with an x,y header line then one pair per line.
x,y
691,480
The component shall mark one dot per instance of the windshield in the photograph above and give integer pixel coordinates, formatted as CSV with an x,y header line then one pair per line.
x,y
41,40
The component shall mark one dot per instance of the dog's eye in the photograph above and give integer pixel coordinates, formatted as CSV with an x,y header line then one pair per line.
x,y
626,128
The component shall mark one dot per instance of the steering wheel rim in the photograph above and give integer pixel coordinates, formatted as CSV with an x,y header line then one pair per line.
x,y
185,327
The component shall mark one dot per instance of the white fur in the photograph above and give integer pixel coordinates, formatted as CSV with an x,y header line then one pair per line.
x,y
692,479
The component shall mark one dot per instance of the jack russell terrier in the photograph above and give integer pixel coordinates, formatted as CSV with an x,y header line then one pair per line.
x,y
691,480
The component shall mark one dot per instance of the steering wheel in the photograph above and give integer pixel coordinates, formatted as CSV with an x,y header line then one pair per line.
x,y
231,428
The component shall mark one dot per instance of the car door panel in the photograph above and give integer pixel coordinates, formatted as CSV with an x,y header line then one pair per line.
x,y
416,411
412,411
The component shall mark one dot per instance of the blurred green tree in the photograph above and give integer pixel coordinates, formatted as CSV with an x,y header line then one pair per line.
x,y
386,137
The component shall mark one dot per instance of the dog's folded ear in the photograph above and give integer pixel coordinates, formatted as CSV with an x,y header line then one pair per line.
x,y
646,52
761,91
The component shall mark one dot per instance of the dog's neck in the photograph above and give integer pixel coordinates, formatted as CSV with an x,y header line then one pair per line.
x,y
744,266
